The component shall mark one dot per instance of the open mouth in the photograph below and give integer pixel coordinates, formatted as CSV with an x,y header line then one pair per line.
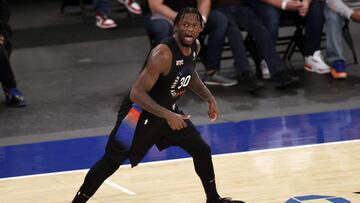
x,y
189,37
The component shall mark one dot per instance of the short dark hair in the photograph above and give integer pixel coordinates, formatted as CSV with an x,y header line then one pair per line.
x,y
181,14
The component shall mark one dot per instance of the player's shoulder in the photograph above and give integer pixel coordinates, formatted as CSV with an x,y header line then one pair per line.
x,y
162,52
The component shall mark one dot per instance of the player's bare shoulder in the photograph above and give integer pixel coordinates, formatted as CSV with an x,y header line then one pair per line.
x,y
160,58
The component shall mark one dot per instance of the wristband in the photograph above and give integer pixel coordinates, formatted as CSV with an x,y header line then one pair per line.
x,y
283,4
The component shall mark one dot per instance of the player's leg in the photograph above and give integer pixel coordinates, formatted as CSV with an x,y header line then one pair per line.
x,y
190,140
97,174
117,151
114,156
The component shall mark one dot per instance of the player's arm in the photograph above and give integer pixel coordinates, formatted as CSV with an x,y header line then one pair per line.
x,y
158,63
198,87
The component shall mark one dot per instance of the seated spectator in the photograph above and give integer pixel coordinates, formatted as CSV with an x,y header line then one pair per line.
x,y
239,14
132,6
335,13
103,19
159,25
13,96
271,11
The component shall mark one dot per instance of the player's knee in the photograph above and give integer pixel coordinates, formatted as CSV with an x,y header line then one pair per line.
x,y
205,150
116,157
116,151
112,160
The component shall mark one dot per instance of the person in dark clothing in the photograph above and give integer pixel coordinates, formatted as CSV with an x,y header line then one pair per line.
x,y
149,114
159,24
241,16
13,97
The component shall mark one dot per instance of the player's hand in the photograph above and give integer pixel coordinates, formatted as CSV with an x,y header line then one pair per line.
x,y
177,121
355,16
213,111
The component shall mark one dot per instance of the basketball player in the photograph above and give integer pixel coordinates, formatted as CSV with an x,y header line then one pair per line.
x,y
151,114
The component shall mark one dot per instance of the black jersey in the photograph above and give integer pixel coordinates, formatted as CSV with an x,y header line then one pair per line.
x,y
168,88
140,129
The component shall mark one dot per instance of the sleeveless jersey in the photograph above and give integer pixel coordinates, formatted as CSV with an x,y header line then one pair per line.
x,y
138,129
168,88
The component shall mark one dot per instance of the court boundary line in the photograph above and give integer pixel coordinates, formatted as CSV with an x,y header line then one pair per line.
x,y
188,158
119,187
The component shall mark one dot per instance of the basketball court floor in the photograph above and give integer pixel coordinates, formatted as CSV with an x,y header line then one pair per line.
x,y
279,159
297,145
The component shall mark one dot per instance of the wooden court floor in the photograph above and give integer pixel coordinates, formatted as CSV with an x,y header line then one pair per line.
x,y
265,176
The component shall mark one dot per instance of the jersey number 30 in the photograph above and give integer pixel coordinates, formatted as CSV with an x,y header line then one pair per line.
x,y
184,81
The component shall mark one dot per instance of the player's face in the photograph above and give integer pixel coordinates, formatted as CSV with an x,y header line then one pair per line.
x,y
189,29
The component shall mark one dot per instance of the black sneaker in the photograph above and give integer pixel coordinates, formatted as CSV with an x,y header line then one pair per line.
x,y
284,79
14,98
80,198
249,81
226,200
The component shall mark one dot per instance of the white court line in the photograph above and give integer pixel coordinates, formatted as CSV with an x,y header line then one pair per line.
x,y
112,184
123,189
189,158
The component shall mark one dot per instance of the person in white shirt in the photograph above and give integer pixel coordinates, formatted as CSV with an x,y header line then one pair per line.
x,y
335,12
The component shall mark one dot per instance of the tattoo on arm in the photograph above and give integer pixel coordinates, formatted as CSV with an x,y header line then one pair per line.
x,y
199,88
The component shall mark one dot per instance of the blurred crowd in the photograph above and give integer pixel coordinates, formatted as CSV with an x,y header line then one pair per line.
x,y
224,22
